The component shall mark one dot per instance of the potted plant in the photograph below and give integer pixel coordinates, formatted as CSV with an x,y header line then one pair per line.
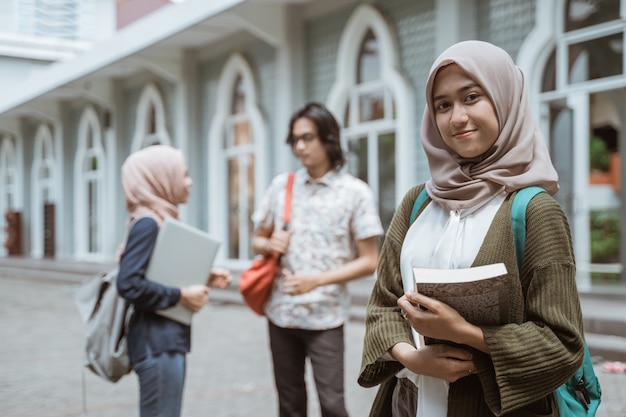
x,y
598,161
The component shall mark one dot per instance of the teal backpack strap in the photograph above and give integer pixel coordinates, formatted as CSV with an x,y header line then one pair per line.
x,y
580,395
419,201
518,219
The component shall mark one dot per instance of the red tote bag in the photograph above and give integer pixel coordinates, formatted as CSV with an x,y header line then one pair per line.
x,y
255,283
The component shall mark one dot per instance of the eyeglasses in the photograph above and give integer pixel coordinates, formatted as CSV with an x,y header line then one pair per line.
x,y
307,138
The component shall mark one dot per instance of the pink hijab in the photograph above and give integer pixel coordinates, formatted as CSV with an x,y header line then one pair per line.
x,y
153,182
518,158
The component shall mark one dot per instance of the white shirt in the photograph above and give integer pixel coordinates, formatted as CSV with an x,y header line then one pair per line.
x,y
454,239
329,216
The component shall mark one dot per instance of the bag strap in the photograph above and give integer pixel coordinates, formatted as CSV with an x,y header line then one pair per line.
x,y
421,197
584,381
288,196
518,219
518,215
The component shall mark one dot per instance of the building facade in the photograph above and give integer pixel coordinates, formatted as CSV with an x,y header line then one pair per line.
x,y
220,80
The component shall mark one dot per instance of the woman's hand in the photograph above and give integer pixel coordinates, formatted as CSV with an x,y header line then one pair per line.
x,y
194,297
437,320
437,360
219,278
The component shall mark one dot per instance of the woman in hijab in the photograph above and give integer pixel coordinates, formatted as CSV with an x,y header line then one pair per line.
x,y
155,182
482,146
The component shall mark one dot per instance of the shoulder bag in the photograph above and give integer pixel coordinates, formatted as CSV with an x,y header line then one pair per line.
x,y
255,283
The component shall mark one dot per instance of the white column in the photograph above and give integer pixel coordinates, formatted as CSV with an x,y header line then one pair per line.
x,y
290,86
455,21
580,223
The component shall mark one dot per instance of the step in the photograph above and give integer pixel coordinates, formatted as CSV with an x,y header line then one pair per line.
x,y
604,325
608,347
604,317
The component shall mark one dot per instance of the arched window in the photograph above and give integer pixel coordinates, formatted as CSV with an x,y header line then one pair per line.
x,y
8,183
8,174
583,110
44,180
237,146
239,156
89,171
374,104
150,123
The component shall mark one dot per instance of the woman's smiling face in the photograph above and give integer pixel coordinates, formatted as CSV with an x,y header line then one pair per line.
x,y
464,114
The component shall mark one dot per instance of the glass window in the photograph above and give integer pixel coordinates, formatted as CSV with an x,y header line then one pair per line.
x,y
357,158
596,58
241,133
239,97
8,173
387,176
371,103
583,13
369,59
250,203
44,172
549,74
240,206
68,19
372,106
233,208
605,188
89,140
152,120
91,187
371,156
593,53
238,141
92,216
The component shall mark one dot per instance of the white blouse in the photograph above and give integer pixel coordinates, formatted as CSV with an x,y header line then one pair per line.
x,y
442,239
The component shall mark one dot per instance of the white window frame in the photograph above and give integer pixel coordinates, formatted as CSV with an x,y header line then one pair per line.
x,y
150,98
346,90
236,66
549,34
8,183
89,122
44,157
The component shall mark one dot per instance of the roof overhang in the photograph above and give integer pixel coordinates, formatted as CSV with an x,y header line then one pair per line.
x,y
169,30
155,43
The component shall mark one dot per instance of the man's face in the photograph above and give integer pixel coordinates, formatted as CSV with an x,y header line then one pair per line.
x,y
308,147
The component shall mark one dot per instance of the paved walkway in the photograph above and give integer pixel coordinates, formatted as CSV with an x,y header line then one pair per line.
x,y
229,374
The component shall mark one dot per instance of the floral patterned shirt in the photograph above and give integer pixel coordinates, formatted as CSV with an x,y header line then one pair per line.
x,y
328,216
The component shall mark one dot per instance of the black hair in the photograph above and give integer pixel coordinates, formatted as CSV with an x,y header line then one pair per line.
x,y
327,130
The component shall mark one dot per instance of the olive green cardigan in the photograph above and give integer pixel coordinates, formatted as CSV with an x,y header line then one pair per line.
x,y
539,348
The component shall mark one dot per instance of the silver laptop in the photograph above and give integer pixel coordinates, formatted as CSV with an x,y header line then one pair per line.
x,y
183,256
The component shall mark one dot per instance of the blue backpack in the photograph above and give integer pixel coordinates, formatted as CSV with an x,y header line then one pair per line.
x,y
580,395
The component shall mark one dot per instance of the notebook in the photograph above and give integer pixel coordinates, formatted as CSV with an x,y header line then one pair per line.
x,y
183,256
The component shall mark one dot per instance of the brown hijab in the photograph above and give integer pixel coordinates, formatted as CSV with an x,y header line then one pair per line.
x,y
153,182
518,158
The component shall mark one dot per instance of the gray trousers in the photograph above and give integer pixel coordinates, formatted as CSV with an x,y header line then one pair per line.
x,y
325,350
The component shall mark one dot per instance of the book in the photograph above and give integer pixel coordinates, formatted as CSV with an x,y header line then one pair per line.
x,y
479,294
183,255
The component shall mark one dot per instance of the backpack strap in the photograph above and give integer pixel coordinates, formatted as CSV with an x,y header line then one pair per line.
x,y
518,215
419,201
582,393
518,219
